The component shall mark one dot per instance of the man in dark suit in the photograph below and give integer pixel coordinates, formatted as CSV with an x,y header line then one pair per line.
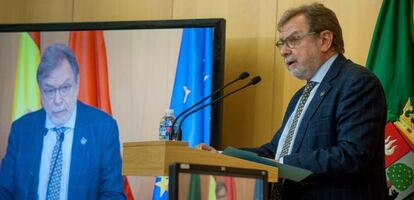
x,y
334,126
66,150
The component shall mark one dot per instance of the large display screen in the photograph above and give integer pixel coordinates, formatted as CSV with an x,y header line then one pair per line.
x,y
151,66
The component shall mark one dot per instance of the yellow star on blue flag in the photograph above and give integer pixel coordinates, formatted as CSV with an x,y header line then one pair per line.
x,y
160,188
192,83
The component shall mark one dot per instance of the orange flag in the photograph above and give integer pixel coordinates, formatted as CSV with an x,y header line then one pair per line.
x,y
89,48
231,188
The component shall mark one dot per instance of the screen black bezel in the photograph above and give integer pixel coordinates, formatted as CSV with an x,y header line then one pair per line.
x,y
176,168
218,24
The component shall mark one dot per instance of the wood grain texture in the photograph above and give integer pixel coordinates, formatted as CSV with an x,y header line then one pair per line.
x,y
125,10
152,158
39,11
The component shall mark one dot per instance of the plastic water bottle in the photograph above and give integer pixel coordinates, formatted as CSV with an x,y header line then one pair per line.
x,y
166,125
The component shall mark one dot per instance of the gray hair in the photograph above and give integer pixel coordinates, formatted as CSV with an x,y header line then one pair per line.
x,y
52,57
319,18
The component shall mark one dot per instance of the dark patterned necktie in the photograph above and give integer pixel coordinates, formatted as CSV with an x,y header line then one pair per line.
x,y
276,189
288,141
55,172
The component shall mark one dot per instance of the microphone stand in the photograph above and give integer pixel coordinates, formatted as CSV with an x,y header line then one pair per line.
x,y
254,81
241,76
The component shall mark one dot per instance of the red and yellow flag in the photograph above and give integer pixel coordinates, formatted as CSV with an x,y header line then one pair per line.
x,y
90,51
26,93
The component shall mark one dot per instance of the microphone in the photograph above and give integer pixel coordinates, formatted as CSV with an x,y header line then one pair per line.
x,y
241,76
253,81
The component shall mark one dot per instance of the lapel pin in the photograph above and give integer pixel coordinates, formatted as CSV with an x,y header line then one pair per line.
x,y
83,141
322,93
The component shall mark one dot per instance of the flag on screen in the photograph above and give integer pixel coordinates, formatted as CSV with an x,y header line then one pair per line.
x,y
26,92
89,48
193,82
212,188
194,191
258,190
160,188
391,59
90,51
231,188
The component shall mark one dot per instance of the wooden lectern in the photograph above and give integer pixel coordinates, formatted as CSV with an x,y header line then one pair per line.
x,y
152,158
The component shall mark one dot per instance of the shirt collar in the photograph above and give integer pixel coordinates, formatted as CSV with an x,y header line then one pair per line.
x,y
69,124
321,72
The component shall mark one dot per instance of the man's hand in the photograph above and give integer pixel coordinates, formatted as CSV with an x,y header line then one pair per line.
x,y
206,147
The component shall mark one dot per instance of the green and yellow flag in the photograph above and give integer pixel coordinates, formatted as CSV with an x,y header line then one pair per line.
x,y
391,55
391,58
26,93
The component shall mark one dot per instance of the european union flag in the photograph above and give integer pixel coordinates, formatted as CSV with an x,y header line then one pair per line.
x,y
193,82
258,190
160,188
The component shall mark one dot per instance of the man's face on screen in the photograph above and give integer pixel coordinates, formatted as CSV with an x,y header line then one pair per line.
x,y
221,193
59,93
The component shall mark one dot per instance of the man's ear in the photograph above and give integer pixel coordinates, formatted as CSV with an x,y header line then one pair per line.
x,y
326,40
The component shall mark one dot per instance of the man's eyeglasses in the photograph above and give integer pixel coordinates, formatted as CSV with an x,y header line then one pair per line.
x,y
292,41
50,93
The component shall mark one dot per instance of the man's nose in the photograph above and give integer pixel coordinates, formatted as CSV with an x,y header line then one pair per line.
x,y
58,98
284,50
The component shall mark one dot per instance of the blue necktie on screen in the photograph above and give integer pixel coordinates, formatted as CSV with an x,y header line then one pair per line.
x,y
55,173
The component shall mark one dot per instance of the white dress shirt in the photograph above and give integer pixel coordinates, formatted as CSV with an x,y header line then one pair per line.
x,y
49,141
317,77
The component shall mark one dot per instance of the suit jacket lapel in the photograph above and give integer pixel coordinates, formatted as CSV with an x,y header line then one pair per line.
x,y
35,150
323,89
320,94
79,150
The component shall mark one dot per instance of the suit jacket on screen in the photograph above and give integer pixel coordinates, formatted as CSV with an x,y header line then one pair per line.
x,y
95,169
340,138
